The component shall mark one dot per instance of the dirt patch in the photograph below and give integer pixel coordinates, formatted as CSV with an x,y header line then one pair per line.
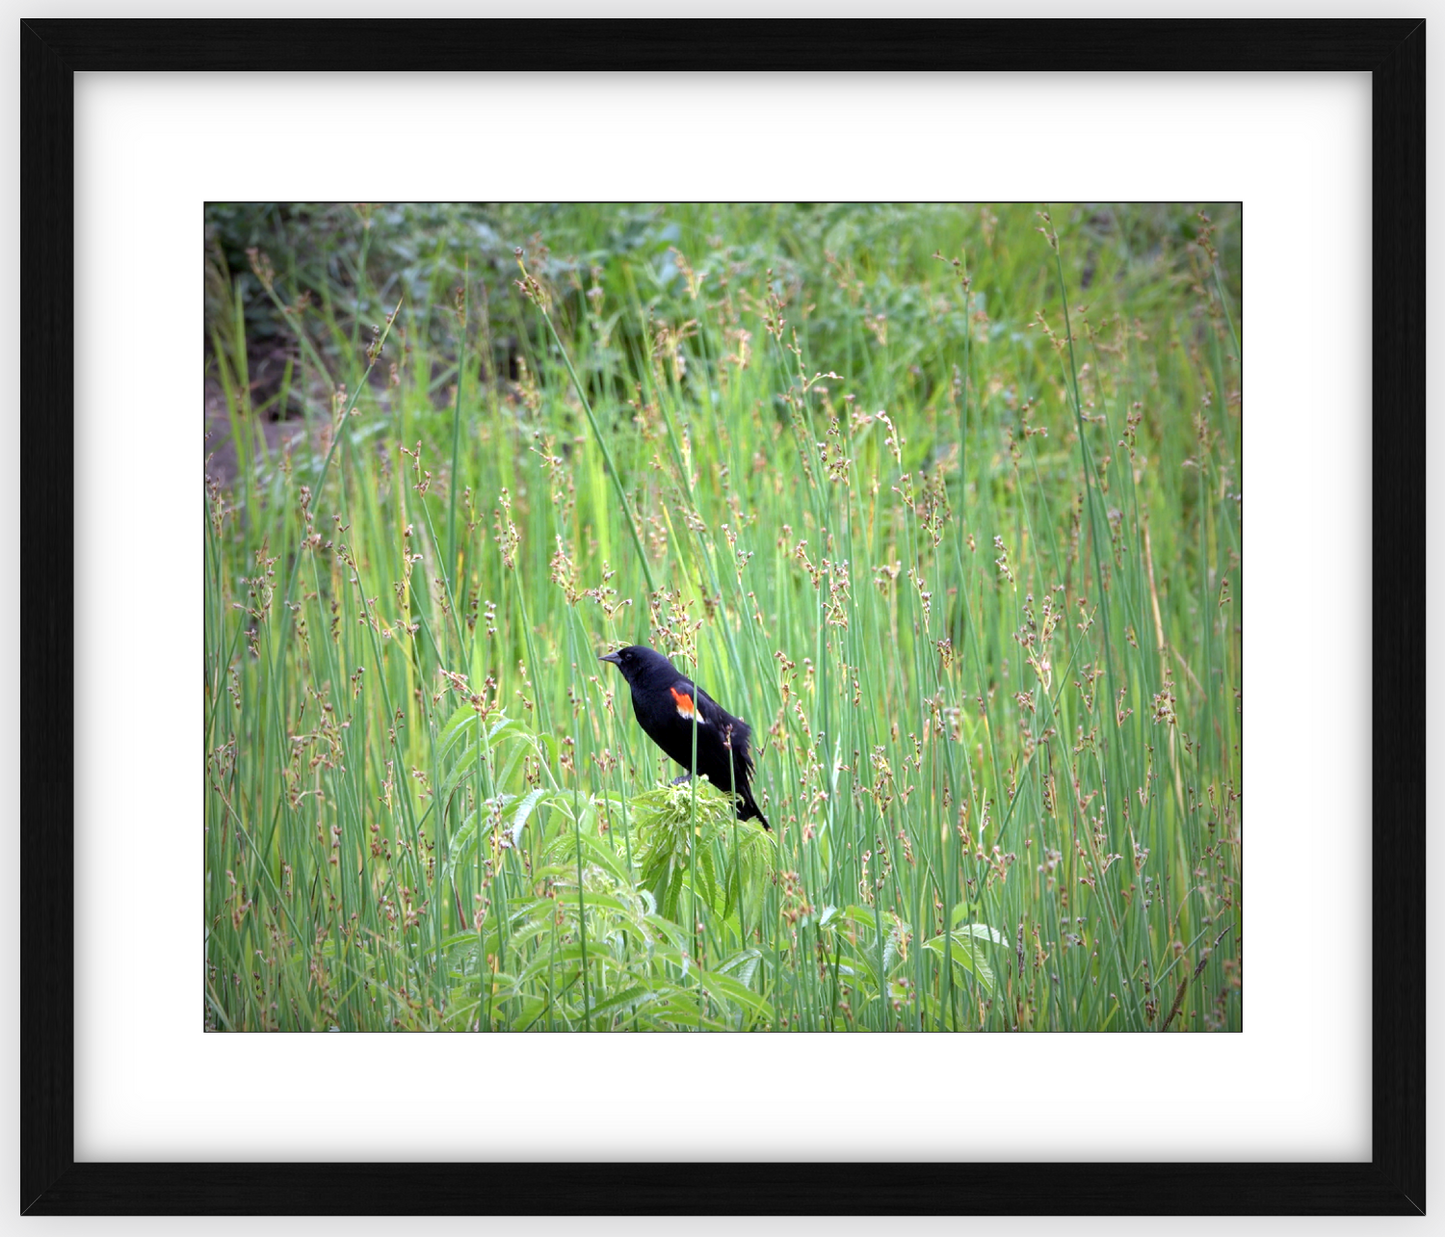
x,y
219,446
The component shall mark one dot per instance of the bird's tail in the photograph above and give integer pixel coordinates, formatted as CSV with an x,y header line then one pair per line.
x,y
749,809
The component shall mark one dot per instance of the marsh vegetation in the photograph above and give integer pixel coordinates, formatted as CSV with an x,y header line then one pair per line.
x,y
943,499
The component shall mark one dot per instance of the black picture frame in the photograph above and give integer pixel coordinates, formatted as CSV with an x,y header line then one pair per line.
x,y
51,1180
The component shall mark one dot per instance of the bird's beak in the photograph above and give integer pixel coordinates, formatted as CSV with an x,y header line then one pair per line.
x,y
612,657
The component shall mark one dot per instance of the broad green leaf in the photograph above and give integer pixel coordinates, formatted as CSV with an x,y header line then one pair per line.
x,y
524,810
967,953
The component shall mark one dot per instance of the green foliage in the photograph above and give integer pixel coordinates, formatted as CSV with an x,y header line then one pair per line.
x,y
672,831
946,505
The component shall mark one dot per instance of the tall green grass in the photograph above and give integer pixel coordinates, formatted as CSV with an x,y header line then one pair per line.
x,y
943,499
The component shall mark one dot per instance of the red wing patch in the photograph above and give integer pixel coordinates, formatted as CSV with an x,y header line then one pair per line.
x,y
684,703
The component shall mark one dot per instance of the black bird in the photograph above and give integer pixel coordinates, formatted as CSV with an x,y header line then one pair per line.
x,y
664,700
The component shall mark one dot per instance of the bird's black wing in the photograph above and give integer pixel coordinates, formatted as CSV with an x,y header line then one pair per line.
x,y
714,715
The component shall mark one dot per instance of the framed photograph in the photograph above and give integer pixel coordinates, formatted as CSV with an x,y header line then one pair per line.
x,y
515,513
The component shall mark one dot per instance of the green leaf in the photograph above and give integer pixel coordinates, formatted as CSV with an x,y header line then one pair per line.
x,y
967,952
462,720
744,965
524,810
725,985
623,1002
965,910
